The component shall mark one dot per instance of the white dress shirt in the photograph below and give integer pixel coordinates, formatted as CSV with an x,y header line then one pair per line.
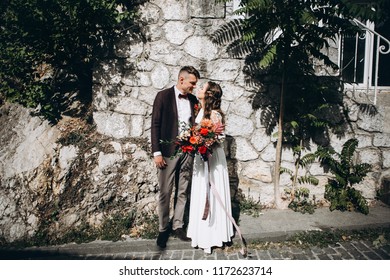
x,y
183,110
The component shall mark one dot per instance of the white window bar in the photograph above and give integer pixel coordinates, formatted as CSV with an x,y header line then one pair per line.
x,y
381,48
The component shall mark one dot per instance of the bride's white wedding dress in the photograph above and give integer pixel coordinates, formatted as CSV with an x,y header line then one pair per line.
x,y
217,228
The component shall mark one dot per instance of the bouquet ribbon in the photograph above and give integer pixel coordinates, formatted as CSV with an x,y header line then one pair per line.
x,y
206,212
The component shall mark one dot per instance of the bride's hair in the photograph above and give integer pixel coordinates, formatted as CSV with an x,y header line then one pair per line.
x,y
212,100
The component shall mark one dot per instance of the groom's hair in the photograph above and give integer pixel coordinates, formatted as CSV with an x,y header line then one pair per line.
x,y
189,70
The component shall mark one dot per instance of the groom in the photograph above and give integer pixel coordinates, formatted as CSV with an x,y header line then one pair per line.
x,y
171,108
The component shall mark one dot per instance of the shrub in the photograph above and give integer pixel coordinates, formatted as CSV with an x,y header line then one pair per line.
x,y
339,190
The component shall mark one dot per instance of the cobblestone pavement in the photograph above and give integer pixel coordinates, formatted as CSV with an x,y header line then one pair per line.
x,y
272,225
351,250
354,250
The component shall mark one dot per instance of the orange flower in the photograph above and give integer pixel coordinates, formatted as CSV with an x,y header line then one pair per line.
x,y
206,123
193,140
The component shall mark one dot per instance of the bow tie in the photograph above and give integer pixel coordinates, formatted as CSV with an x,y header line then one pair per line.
x,y
185,96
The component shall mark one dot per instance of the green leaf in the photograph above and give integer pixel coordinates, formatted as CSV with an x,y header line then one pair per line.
x,y
285,170
268,57
308,180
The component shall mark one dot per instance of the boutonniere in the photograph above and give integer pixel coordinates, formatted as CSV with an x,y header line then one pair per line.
x,y
196,108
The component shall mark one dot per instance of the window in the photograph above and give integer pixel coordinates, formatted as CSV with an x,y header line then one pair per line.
x,y
352,61
365,59
384,57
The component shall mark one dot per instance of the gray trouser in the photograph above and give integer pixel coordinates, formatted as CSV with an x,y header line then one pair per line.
x,y
177,173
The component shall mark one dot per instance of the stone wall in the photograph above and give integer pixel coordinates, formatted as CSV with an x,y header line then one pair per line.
x,y
177,35
56,178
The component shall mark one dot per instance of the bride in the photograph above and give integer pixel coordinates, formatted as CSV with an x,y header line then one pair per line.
x,y
214,229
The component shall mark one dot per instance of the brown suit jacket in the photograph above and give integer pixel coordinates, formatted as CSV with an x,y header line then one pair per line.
x,y
165,120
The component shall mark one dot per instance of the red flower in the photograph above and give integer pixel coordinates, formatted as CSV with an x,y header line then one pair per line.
x,y
204,131
196,108
187,149
202,150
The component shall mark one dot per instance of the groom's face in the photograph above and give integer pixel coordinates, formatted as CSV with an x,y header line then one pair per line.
x,y
187,83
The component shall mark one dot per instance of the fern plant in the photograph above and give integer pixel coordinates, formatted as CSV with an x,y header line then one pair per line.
x,y
299,197
339,190
301,201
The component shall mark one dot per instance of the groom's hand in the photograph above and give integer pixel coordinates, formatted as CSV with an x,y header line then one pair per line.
x,y
160,162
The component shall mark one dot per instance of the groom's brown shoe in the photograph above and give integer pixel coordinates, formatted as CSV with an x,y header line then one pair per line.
x,y
179,233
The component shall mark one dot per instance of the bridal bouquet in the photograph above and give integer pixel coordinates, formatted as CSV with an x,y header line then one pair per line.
x,y
198,139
